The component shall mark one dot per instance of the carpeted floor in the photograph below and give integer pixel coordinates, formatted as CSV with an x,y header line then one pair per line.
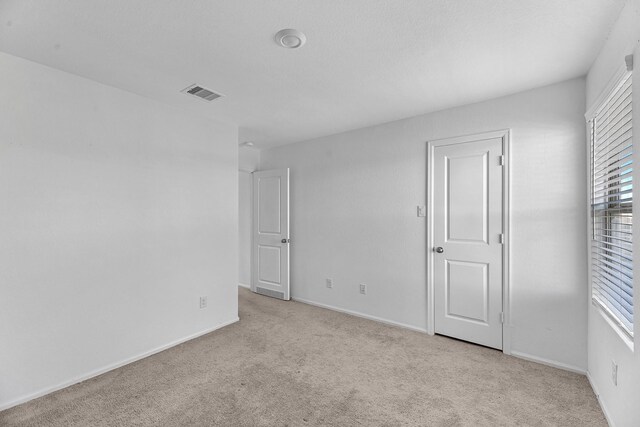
x,y
291,364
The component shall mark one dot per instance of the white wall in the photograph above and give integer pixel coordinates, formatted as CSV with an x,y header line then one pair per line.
x,y
621,402
353,207
116,214
249,160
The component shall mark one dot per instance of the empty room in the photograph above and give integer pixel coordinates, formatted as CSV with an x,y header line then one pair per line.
x,y
318,213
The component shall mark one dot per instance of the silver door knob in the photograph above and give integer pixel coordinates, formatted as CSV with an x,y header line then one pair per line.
x,y
439,249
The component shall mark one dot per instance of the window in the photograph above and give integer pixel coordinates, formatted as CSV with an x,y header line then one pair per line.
x,y
612,206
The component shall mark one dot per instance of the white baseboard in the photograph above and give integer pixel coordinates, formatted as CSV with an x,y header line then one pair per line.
x,y
358,314
110,367
244,285
548,362
602,406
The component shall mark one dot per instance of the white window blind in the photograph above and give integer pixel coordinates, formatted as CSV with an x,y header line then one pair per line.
x,y
612,206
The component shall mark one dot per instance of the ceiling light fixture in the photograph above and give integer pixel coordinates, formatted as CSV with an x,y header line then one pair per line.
x,y
290,38
247,144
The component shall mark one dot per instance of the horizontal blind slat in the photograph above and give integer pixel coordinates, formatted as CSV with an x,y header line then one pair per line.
x,y
608,135
621,260
622,305
625,154
614,120
614,253
617,98
614,245
618,144
613,185
611,123
611,134
620,173
616,271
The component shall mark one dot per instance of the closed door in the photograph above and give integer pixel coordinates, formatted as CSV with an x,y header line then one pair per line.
x,y
467,239
271,233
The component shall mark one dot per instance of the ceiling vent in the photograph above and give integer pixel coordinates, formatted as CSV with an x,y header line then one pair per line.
x,y
202,93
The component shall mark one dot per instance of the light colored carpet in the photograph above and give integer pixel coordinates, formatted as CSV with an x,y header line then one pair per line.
x,y
291,364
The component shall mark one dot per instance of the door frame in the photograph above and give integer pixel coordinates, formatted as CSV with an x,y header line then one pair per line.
x,y
250,173
505,134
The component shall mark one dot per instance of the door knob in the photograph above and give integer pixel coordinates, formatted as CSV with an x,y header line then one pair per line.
x,y
439,249
285,240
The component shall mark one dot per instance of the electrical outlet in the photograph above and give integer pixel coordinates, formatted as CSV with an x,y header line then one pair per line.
x,y
422,211
329,283
203,302
614,372
363,288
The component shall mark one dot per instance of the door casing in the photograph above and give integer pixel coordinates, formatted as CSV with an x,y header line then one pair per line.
x,y
505,135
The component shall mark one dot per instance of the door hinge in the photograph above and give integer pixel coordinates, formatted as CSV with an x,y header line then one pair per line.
x,y
501,160
501,317
501,238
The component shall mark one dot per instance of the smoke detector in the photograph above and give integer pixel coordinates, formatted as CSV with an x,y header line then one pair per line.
x,y
290,38
201,92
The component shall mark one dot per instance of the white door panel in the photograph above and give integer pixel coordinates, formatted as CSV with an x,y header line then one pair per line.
x,y
269,203
271,233
467,226
269,258
467,291
467,198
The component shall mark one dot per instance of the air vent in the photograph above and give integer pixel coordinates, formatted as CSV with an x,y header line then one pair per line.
x,y
202,93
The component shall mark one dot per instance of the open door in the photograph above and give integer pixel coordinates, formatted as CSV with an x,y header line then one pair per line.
x,y
271,233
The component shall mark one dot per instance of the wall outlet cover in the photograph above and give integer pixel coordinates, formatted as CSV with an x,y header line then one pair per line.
x,y
329,283
363,288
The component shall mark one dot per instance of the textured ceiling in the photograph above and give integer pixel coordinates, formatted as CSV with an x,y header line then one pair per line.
x,y
365,61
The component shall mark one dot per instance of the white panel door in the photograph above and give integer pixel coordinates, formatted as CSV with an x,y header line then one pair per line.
x,y
467,248
271,233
